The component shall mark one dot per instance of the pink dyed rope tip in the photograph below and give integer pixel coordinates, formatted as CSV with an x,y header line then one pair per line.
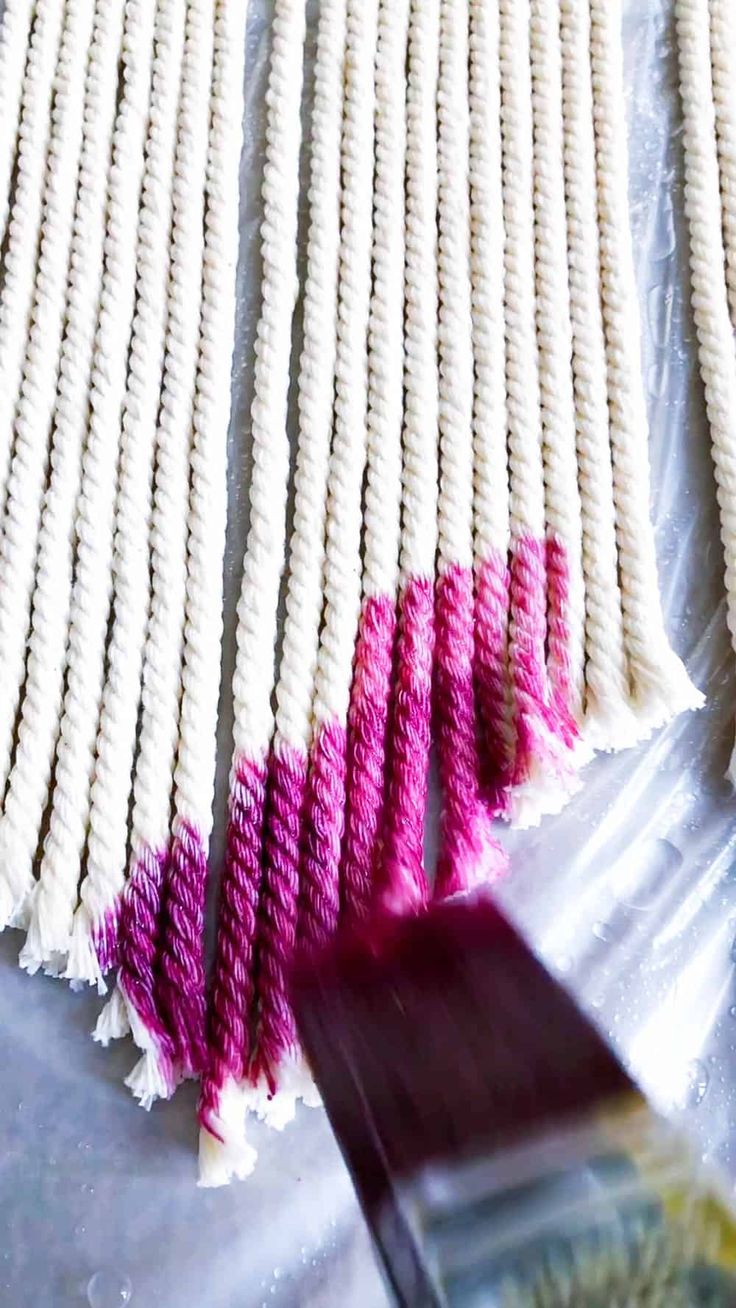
x,y
469,851
139,942
229,1027
277,914
181,978
319,901
403,883
367,751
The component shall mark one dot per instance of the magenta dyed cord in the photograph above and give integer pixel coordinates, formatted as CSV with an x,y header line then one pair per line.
x,y
468,851
181,979
368,726
319,902
139,945
229,1028
278,907
403,886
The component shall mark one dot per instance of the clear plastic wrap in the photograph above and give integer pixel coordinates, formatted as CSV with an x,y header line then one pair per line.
x,y
629,894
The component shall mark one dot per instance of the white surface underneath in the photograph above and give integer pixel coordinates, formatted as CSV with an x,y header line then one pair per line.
x,y
629,893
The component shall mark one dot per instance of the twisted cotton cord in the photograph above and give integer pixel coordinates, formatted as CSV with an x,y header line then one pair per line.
x,y
723,64
28,784
325,813
145,151
15,29
36,403
371,691
490,479
468,850
294,691
608,721
404,880
264,559
164,648
182,953
527,626
56,892
707,275
23,235
660,685
565,589
223,1150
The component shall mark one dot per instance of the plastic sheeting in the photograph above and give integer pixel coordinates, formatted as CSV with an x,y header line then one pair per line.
x,y
629,894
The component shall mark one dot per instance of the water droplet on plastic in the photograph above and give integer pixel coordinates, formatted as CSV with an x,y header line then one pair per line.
x,y
732,1011
698,1078
276,1273
602,931
109,1290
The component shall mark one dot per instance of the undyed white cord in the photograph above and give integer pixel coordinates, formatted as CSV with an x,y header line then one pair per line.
x,y
24,229
195,769
723,61
421,399
608,723
554,341
526,500
298,665
34,414
342,578
708,279
110,799
660,686
17,305
382,507
55,894
28,784
491,522
15,30
455,501
263,564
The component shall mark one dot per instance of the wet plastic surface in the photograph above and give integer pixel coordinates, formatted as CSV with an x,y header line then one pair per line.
x,y
630,894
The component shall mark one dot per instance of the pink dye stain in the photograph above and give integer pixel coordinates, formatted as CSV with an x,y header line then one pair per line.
x,y
368,723
229,1025
106,939
180,986
319,901
469,852
491,677
139,945
558,600
403,882
277,913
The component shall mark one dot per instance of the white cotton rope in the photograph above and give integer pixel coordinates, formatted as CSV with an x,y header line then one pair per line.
x,y
294,690
263,564
659,684
708,276
164,644
609,723
342,574
55,894
15,28
24,235
35,408
545,777
28,783
145,156
265,554
566,647
382,500
723,64
421,395
316,392
491,473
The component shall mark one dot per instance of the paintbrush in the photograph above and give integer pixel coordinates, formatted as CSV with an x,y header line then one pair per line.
x,y
503,1156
